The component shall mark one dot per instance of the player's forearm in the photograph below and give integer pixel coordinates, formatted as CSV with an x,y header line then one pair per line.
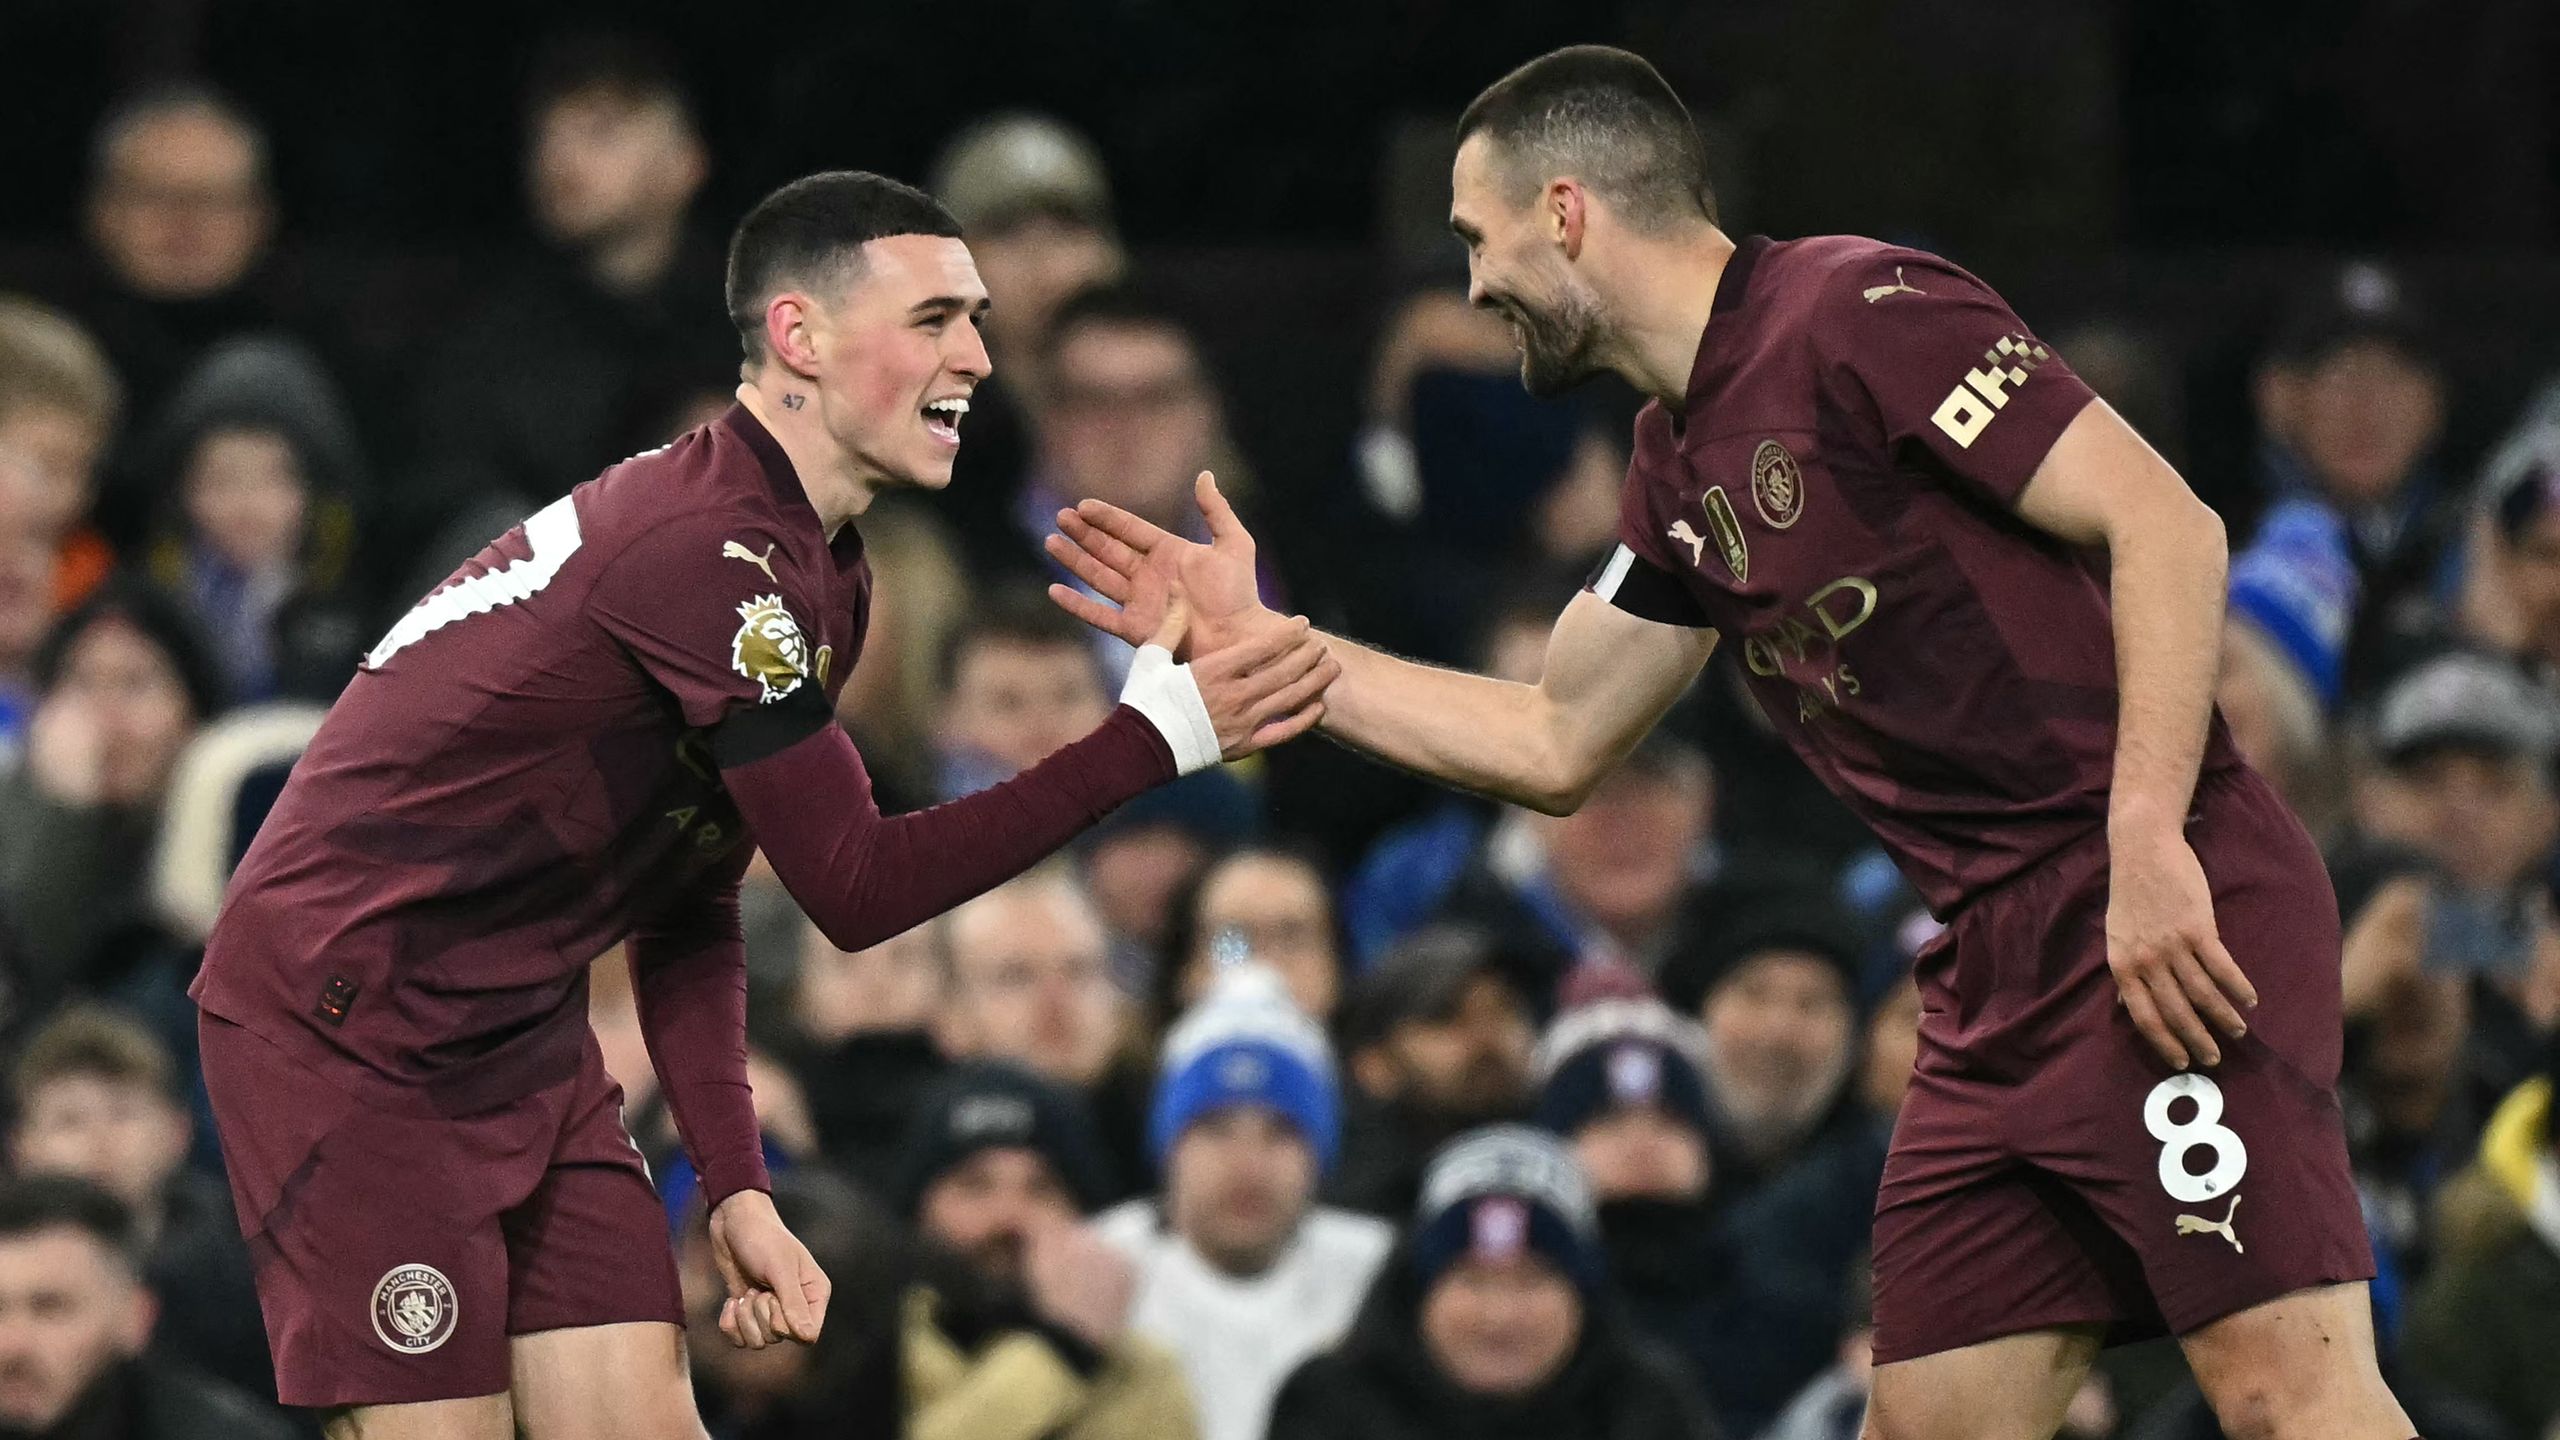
x,y
689,981
1495,737
2168,573
864,877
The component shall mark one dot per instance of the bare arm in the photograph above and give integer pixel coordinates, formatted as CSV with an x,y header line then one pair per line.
x,y
2101,485
1608,678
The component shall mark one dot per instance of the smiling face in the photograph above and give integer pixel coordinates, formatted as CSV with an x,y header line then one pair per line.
x,y
894,354
1516,267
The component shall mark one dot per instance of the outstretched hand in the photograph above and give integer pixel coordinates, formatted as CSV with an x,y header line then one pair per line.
x,y
1136,566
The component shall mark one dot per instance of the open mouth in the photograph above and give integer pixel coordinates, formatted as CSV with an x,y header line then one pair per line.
x,y
942,418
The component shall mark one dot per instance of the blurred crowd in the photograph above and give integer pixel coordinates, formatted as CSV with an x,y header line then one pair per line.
x,y
1296,1100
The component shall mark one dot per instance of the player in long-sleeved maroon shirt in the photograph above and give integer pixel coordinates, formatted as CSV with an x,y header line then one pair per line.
x,y
1860,463
580,738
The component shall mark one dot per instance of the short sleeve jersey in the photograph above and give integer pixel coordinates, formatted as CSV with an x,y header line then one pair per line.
x,y
522,771
1837,498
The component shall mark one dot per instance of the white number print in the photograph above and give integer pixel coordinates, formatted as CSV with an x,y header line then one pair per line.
x,y
2202,1129
552,534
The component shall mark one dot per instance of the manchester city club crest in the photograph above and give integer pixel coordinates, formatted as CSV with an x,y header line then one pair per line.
x,y
414,1309
1777,485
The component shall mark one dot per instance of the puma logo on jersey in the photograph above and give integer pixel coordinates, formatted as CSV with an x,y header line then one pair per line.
x,y
1696,542
1875,293
732,550
2195,1225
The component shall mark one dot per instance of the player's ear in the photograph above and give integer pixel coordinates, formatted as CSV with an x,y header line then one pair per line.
x,y
790,324
1566,212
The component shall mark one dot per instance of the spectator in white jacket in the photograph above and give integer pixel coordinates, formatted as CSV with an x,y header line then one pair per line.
x,y
1238,1272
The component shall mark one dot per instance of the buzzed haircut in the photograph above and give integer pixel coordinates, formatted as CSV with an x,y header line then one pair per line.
x,y
809,235
92,1042
128,115
1022,617
1605,117
33,1204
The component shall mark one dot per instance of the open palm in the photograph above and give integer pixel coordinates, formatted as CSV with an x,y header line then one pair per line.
x,y
1117,554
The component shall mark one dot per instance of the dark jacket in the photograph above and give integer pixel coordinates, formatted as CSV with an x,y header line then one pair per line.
x,y
1751,1327
1381,1384
199,1268
153,1400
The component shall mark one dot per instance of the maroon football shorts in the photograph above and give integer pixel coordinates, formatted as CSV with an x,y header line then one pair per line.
x,y
2048,1168
396,1253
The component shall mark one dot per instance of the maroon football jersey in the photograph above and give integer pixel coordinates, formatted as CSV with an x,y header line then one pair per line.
x,y
521,774
1836,499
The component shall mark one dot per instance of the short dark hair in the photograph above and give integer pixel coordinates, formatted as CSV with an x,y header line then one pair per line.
x,y
175,97
814,225
1113,305
31,1204
1013,617
626,67
1606,117
87,1040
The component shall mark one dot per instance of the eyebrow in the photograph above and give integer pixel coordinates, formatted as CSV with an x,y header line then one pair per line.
x,y
950,305
1465,231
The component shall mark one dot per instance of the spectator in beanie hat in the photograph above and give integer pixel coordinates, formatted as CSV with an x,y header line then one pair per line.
x,y
1237,1274
1019,1327
1496,1321
1622,1083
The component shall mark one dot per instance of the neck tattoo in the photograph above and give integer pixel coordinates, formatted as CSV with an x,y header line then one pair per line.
x,y
794,402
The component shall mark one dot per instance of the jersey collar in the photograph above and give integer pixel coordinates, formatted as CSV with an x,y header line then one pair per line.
x,y
784,478
1732,288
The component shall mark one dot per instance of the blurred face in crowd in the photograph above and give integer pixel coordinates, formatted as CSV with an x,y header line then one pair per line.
x,y
124,687
121,1135
1779,1031
2488,817
2273,716
1236,1185
606,165
1641,1152
2533,581
70,1311
1129,417
986,1208
55,454
180,210
1280,905
1516,268
26,566
1624,858
1032,265
1135,873
1471,1064
246,497
897,984
1893,1047
2412,1049
1018,700
2363,416
1501,1328
1030,983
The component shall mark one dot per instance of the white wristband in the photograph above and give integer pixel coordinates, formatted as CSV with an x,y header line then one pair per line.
x,y
1170,699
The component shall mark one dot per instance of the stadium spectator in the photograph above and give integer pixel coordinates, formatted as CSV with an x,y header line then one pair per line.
x,y
574,360
1128,412
1238,1273
122,683
1274,900
1777,987
1494,1320
1031,983
180,216
2481,1326
2351,401
1019,1328
845,1386
76,1319
98,1098
1439,1038
254,466
863,1033
918,596
1032,195
59,402
1476,478
2293,596
26,598
1019,680
2519,567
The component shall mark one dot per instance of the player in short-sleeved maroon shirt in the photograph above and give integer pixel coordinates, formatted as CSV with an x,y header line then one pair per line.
x,y
577,740
1988,617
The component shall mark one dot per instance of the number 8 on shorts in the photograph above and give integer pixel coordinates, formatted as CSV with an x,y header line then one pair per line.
x,y
2203,1128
